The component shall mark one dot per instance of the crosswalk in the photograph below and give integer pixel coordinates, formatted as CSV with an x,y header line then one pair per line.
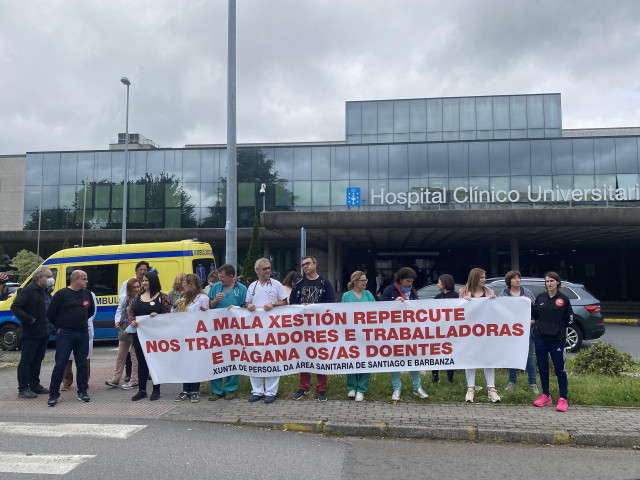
x,y
55,464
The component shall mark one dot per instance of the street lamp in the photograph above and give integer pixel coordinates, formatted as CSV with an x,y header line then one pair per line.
x,y
263,191
126,82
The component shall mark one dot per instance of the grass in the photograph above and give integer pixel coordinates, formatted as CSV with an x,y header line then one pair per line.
x,y
601,390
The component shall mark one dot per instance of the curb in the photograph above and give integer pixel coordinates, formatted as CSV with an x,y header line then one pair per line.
x,y
622,321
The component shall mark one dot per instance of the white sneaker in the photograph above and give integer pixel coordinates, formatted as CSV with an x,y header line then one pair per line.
x,y
420,392
493,395
396,396
534,388
359,397
510,385
469,396
351,394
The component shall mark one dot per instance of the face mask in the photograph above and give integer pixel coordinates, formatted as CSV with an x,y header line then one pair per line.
x,y
51,282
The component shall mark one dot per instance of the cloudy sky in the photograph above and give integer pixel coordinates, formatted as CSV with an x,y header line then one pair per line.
x,y
298,62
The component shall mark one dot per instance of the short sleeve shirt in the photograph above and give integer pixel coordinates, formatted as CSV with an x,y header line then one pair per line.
x,y
270,292
234,297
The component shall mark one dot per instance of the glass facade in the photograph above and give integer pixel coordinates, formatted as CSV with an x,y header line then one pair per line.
x,y
461,118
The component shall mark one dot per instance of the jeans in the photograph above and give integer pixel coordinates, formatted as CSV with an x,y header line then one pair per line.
x,y
33,350
531,367
191,387
556,350
397,384
68,341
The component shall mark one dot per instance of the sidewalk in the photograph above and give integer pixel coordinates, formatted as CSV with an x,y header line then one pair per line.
x,y
580,425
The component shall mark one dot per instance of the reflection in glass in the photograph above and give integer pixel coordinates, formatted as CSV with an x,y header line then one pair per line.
x,y
321,162
468,113
626,155
320,193
499,158
51,168
340,163
451,114
385,117
541,157
68,162
103,166
561,157
358,162
583,156
301,163
401,116
418,162
418,116
369,118
398,161
520,157
535,111
518,112
354,118
438,158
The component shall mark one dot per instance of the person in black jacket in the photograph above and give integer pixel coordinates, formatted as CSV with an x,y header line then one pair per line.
x,y
552,313
447,287
30,307
69,313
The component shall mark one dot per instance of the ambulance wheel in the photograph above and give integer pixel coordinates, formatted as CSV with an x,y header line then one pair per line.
x,y
10,337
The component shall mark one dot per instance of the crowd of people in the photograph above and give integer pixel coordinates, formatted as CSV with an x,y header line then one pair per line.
x,y
69,315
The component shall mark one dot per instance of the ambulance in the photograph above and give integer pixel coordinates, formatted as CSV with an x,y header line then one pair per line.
x,y
107,267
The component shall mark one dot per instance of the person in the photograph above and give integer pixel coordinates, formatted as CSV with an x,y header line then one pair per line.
x,y
357,383
447,288
212,279
290,280
67,376
151,301
400,290
69,313
552,313
267,293
193,299
125,339
475,288
312,288
178,288
30,308
513,280
4,290
226,293
384,283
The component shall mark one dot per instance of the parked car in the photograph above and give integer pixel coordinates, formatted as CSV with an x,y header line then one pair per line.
x,y
429,291
588,321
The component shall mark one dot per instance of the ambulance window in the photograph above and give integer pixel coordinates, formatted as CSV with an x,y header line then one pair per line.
x,y
103,279
203,267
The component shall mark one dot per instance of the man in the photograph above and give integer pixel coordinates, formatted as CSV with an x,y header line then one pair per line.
x,y
266,293
226,293
30,307
312,288
69,312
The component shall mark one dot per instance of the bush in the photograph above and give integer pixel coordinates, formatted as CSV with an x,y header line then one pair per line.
x,y
25,263
603,358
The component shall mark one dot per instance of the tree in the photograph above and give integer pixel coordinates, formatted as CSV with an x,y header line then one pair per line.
x,y
25,263
65,244
254,251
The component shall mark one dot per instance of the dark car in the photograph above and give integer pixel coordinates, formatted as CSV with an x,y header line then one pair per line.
x,y
588,322
430,291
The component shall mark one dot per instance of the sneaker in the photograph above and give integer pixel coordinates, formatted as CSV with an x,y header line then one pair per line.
x,y
127,378
322,396
299,394
52,402
83,397
139,396
510,386
420,392
229,395
155,395
351,394
195,398
469,396
562,405
214,396
543,401
27,393
254,398
181,396
534,388
493,395
395,396
129,385
40,390
112,383
269,399
359,397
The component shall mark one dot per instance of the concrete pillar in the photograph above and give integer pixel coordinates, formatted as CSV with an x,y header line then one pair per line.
x,y
623,272
266,251
494,259
331,260
515,253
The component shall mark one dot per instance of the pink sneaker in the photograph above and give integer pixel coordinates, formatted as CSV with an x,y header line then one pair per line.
x,y
562,405
543,401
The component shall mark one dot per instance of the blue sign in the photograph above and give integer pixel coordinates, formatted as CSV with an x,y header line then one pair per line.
x,y
353,197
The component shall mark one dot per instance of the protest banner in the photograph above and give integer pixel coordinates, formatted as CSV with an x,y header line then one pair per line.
x,y
337,338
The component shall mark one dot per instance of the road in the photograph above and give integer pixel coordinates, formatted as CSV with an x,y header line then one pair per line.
x,y
111,448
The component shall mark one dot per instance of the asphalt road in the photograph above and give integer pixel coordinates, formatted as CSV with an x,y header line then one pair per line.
x,y
114,449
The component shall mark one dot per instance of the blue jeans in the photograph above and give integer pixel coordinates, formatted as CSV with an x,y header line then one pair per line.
x,y
66,342
191,387
556,350
531,367
415,378
33,350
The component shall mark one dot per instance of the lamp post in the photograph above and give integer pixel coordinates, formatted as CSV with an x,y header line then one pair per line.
x,y
263,192
126,82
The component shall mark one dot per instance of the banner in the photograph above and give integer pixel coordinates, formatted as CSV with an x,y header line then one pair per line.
x,y
337,338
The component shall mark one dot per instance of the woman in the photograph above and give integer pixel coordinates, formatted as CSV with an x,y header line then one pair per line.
x,y
447,288
290,280
475,288
193,299
150,302
513,279
357,383
212,278
553,314
125,339
401,290
178,288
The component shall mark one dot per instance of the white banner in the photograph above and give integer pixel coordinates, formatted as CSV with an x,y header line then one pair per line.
x,y
337,338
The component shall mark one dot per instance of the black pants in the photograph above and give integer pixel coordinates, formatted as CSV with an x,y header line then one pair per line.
x,y
143,369
33,350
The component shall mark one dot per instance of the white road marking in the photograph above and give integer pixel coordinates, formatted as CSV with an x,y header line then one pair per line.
x,y
95,430
40,464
